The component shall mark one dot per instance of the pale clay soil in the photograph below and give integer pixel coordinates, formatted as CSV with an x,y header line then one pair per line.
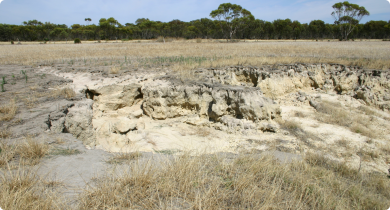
x,y
159,139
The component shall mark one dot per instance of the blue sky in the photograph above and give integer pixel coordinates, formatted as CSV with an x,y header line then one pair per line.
x,y
127,11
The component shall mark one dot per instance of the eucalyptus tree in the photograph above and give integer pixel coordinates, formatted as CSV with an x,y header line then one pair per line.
x,y
109,27
347,16
283,29
269,30
317,28
255,30
205,27
32,23
298,29
232,18
88,20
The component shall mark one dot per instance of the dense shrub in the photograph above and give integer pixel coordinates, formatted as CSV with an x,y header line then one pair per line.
x,y
77,41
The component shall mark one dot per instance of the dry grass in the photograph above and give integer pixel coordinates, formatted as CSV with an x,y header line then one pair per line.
x,y
295,128
342,143
30,101
166,39
333,113
119,158
369,54
247,182
371,112
64,151
115,70
32,97
369,154
31,151
4,133
202,131
22,189
7,153
8,111
290,125
33,88
299,114
64,92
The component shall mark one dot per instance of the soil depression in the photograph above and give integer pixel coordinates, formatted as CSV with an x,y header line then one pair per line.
x,y
233,109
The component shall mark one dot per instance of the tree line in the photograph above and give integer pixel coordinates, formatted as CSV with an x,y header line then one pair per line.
x,y
226,17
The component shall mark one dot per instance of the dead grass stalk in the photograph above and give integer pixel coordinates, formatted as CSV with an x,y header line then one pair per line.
x,y
368,54
249,181
22,189
32,151
8,111
333,113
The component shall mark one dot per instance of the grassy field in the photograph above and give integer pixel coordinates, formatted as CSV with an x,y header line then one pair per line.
x,y
187,54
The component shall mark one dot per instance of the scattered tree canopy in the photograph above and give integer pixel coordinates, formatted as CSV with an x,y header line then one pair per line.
x,y
232,17
347,16
229,21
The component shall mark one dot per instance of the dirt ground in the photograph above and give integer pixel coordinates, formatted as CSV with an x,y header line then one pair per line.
x,y
38,91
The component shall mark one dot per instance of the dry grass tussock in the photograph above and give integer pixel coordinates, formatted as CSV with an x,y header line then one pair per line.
x,y
247,182
368,54
7,153
8,110
31,151
64,92
295,128
5,133
28,152
115,70
23,189
119,158
20,187
334,113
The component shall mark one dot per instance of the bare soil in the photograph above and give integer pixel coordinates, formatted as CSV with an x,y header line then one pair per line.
x,y
76,166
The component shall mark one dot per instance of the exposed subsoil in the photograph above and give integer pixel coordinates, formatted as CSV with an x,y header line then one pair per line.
x,y
161,125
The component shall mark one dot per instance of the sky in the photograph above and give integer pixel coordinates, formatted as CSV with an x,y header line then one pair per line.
x,y
128,11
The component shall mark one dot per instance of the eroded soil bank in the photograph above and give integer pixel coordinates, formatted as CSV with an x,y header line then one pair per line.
x,y
339,111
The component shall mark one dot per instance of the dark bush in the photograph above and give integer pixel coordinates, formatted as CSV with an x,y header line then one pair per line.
x,y
77,41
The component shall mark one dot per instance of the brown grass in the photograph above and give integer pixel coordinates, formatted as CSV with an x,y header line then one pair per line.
x,y
4,133
247,182
64,151
299,114
64,92
368,153
371,112
115,70
8,111
32,151
7,153
32,97
202,131
119,158
290,125
333,113
22,189
342,143
368,54
30,101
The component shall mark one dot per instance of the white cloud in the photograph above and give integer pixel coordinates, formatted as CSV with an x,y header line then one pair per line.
x,y
388,1
3,0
